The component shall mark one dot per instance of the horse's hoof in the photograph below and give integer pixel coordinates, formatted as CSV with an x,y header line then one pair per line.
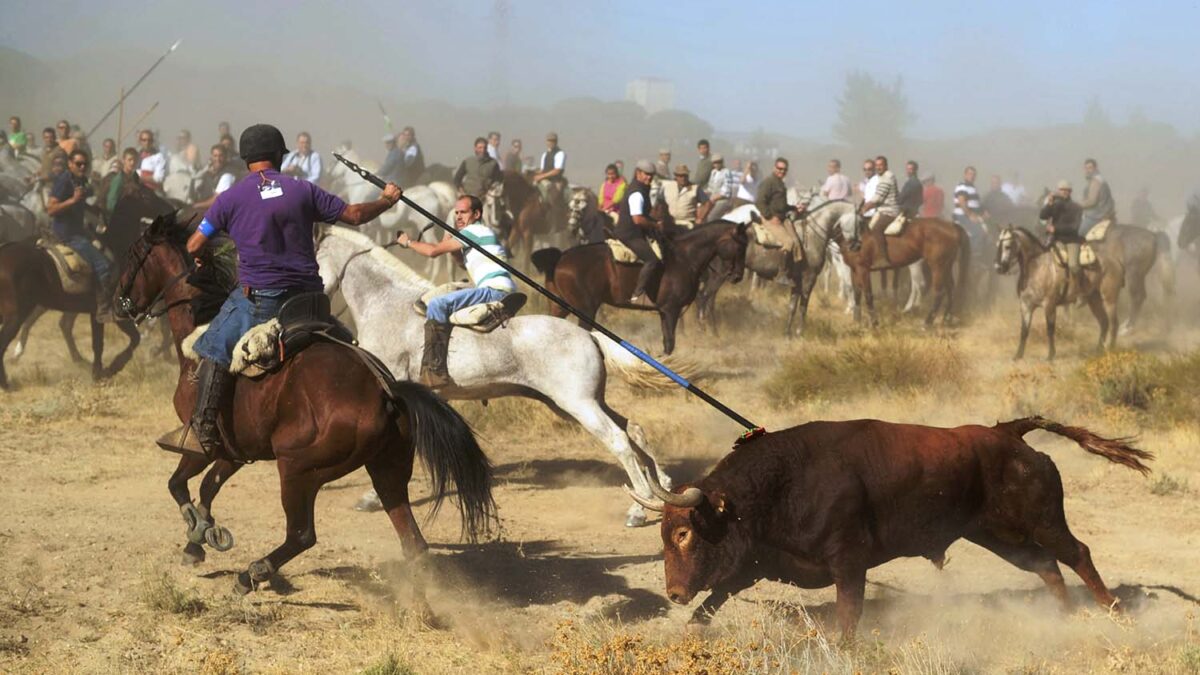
x,y
635,520
218,537
243,585
369,502
193,555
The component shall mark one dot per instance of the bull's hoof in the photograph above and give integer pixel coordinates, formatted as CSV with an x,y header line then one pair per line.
x,y
193,554
369,502
635,520
243,585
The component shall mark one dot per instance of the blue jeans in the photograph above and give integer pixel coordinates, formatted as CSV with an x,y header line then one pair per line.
x,y
101,266
441,307
1087,223
237,316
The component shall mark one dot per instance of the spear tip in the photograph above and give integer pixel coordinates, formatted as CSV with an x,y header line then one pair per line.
x,y
174,46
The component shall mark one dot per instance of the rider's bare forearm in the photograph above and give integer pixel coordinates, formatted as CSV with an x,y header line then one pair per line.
x,y
358,214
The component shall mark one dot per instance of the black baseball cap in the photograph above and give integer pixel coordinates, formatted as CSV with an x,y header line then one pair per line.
x,y
261,142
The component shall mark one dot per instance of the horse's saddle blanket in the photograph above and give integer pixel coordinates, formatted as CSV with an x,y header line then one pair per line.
x,y
623,254
896,227
74,272
482,318
769,235
1087,254
302,320
1099,231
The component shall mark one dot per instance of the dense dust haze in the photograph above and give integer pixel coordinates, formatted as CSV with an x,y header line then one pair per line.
x,y
1023,88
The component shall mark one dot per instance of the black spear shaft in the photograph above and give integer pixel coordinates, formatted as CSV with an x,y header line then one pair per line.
x,y
751,428
130,90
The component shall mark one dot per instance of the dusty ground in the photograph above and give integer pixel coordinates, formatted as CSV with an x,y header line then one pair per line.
x,y
90,579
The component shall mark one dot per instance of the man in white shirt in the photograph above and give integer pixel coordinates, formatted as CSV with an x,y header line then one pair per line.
x,y
303,162
1014,189
215,179
720,191
836,185
493,148
550,178
153,161
680,196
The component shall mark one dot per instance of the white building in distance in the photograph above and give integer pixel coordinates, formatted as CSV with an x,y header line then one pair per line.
x,y
652,93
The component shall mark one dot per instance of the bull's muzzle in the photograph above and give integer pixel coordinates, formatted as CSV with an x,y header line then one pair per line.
x,y
680,595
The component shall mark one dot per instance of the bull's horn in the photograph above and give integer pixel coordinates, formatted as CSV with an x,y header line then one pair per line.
x,y
647,503
690,498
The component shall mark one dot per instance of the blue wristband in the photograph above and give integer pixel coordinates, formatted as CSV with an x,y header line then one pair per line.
x,y
206,228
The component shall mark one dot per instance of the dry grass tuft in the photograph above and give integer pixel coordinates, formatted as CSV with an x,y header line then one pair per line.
x,y
1161,391
161,593
221,662
1166,485
888,362
389,665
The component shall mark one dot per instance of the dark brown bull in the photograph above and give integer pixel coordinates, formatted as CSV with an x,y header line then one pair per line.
x,y
822,503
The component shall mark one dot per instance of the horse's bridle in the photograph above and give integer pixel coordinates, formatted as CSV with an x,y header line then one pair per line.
x,y
125,307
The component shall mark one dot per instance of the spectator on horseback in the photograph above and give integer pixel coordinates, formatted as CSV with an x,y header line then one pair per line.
x,y
512,159
477,173
270,218
304,162
50,152
414,159
66,208
493,148
153,168
911,195
393,161
720,191
186,156
881,206
1064,216
635,226
774,208
997,205
680,196
968,209
836,186
215,179
492,283
866,186
550,177
1097,204
1142,212
107,162
747,189
662,168
611,191
65,141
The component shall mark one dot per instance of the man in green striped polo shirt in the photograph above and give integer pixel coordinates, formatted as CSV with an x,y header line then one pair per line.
x,y
492,284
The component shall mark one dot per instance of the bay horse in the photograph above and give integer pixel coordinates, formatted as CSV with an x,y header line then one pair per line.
x,y
29,282
514,208
938,242
1042,282
588,276
322,415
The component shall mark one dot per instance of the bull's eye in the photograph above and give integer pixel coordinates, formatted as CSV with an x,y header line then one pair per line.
x,y
683,536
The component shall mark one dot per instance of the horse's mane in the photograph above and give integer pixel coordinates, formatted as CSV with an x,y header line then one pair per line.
x,y
379,254
1032,238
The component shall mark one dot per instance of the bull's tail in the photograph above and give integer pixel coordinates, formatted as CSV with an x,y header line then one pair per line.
x,y
449,451
1115,450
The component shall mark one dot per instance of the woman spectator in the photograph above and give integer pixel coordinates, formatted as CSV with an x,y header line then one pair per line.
x,y
612,190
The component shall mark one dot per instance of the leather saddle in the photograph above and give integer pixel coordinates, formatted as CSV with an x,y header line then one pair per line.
x,y
305,319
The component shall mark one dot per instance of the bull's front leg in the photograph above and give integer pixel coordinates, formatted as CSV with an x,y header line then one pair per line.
x,y
851,586
721,593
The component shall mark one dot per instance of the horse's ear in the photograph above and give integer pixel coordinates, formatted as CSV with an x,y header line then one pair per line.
x,y
755,217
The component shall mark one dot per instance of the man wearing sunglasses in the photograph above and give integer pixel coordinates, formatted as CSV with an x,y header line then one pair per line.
x,y
773,206
66,209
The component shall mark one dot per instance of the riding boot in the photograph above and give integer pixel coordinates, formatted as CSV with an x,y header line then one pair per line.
x,y
104,293
433,362
648,269
213,387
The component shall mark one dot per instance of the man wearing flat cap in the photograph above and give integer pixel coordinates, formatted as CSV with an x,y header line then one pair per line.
x,y
720,191
634,226
550,178
1064,216
680,196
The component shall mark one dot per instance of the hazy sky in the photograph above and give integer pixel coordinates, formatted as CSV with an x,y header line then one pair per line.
x,y
967,66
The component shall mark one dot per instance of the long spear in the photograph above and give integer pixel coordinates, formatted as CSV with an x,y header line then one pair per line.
x,y
127,92
751,429
141,119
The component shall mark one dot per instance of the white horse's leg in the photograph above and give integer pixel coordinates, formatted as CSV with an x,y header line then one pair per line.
x,y
846,284
917,288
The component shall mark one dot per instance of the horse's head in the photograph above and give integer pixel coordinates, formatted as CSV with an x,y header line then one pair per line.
x,y
731,249
662,213
1189,229
581,199
1006,249
155,262
495,205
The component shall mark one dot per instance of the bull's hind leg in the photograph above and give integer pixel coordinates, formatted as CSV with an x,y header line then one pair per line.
x,y
1076,555
1029,557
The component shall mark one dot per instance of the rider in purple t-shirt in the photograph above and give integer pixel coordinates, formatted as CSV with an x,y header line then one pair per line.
x,y
270,217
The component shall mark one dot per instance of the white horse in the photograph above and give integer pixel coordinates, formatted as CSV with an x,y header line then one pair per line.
x,y
437,198
540,357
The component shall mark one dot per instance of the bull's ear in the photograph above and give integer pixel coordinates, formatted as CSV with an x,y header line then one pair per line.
x,y
719,503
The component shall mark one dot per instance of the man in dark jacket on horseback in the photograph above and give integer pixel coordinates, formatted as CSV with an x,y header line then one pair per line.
x,y
66,209
269,216
634,225
1064,216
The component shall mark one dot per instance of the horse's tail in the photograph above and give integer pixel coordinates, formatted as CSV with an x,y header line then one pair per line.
x,y
449,451
545,260
1115,450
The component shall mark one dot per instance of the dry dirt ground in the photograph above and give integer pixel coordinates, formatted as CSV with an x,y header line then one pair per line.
x,y
90,541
